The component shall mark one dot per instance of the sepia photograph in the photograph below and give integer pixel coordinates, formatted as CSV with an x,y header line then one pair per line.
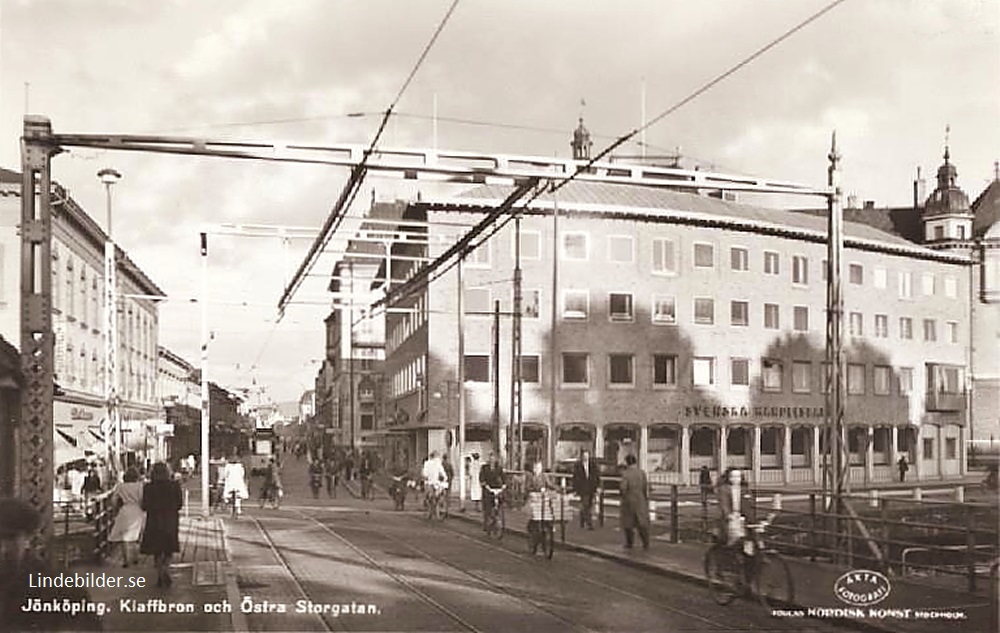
x,y
530,316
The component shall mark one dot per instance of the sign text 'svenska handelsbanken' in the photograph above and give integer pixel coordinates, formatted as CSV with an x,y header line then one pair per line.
x,y
717,411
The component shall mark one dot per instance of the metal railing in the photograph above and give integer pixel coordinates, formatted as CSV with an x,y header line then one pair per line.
x,y
82,527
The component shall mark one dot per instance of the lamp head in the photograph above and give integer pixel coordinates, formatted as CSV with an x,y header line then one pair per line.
x,y
109,176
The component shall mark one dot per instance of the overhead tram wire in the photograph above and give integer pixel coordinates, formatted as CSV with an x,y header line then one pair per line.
x,y
353,186
447,261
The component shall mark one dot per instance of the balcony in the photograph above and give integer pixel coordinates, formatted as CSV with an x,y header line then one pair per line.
x,y
942,401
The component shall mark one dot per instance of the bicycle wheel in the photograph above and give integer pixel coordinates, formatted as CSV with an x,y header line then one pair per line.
x,y
720,570
773,580
502,522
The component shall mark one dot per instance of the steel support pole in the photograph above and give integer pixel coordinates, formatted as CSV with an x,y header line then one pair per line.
x,y
460,313
836,444
553,324
36,470
496,381
516,385
111,342
205,400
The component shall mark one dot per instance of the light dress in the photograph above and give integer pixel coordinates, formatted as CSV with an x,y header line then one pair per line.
x,y
131,518
234,478
475,486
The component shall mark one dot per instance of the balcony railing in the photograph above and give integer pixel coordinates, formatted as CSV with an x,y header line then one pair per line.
x,y
941,401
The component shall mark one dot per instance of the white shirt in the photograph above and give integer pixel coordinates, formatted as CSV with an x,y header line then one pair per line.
x,y
433,471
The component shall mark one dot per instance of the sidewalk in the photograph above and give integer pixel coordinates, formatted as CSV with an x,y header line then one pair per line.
x,y
200,577
813,581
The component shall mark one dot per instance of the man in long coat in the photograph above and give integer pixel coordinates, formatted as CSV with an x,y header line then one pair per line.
x,y
634,510
586,481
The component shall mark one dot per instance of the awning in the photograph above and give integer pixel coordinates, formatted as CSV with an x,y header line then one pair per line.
x,y
65,450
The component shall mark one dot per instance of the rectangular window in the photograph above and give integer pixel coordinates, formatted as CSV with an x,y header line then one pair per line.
x,y
739,313
855,379
620,370
905,328
530,303
905,380
927,284
930,330
928,445
664,309
477,368
772,263
620,306
880,278
739,372
704,255
772,373
575,367
950,448
739,258
881,380
664,370
664,256
704,310
702,371
772,318
856,273
857,323
531,245
951,287
478,302
576,304
367,421
620,249
905,285
882,326
800,270
575,246
800,318
479,257
801,376
529,368
952,332
944,379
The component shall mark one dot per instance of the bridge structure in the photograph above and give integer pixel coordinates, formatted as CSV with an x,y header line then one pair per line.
x,y
530,175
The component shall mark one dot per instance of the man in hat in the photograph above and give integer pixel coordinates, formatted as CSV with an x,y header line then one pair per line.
x,y
18,564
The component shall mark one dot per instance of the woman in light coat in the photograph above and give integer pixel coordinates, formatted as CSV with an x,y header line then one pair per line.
x,y
234,480
130,519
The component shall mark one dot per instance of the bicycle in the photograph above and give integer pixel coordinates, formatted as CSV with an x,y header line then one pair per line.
x,y
541,530
433,501
748,568
496,522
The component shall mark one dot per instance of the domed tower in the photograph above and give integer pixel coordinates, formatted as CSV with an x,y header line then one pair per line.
x,y
947,214
581,142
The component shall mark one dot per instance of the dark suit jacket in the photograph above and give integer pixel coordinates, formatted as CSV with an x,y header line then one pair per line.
x,y
586,484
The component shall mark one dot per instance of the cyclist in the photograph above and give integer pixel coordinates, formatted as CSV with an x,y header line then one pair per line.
x,y
434,476
490,476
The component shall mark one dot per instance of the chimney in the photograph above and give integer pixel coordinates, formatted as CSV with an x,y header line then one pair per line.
x,y
869,204
919,191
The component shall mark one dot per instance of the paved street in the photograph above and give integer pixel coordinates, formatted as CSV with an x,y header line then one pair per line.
x,y
418,576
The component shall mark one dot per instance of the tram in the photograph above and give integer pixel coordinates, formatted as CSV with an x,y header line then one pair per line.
x,y
263,445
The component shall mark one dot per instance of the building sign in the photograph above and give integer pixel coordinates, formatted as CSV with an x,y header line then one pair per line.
x,y
79,413
717,411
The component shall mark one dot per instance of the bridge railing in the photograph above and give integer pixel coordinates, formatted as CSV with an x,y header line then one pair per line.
x,y
81,527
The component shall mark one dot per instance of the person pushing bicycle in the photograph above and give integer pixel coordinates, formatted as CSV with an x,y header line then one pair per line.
x,y
491,477
434,475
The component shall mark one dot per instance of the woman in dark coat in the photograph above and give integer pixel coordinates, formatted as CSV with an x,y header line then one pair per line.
x,y
162,501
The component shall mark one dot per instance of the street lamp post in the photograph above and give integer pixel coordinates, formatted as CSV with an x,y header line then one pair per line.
x,y
109,177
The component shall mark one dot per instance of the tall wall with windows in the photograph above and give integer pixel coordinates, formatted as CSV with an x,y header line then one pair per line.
x,y
78,324
689,331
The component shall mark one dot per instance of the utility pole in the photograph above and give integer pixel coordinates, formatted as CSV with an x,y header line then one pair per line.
x,y
109,177
350,348
515,358
496,376
460,313
553,324
205,400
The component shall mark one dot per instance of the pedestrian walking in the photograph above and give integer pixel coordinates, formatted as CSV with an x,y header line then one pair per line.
x,y
20,569
330,472
903,468
705,483
127,528
490,476
366,471
234,482
450,471
634,506
91,486
475,482
162,501
315,477
586,483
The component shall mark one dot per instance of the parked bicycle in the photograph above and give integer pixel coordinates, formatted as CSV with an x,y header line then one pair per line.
x,y
496,522
748,568
541,529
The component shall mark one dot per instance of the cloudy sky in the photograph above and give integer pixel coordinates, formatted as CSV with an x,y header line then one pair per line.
x,y
507,77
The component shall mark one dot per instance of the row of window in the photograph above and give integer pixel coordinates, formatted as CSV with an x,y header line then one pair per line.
x,y
87,373
621,309
664,260
774,375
